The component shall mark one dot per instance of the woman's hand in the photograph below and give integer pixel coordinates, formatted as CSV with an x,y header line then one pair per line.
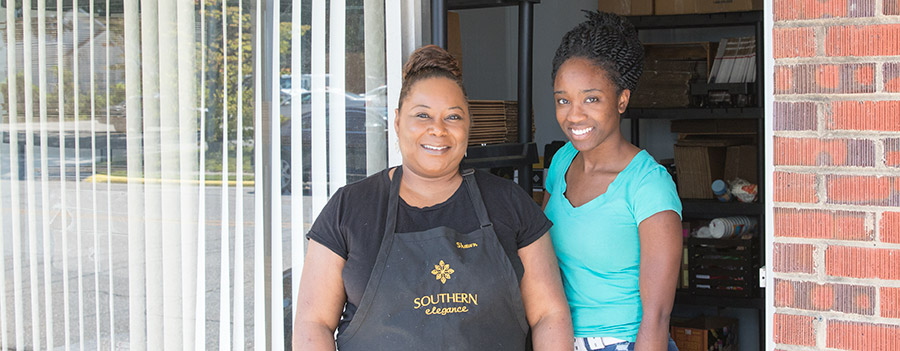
x,y
320,301
661,245
542,293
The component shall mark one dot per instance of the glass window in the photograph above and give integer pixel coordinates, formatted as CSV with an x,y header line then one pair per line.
x,y
147,163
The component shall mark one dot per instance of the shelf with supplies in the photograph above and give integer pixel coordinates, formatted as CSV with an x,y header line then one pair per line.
x,y
683,296
712,95
694,113
721,19
697,208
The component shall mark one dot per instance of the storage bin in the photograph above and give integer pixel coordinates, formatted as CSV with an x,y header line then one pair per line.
x,y
723,267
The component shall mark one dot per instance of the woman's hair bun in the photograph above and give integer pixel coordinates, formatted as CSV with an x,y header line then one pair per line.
x,y
430,61
431,58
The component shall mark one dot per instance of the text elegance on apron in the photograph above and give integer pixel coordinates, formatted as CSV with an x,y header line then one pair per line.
x,y
439,289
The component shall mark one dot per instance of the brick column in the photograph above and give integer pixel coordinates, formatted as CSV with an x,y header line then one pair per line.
x,y
837,174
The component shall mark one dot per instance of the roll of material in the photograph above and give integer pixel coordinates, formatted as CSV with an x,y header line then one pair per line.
x,y
732,227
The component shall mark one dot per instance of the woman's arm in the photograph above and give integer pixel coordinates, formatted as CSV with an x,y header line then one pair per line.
x,y
543,296
321,299
661,242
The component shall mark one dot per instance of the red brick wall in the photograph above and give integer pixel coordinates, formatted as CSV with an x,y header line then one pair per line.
x,y
836,255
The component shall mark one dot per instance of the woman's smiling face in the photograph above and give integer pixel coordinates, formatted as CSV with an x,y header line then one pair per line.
x,y
433,127
588,103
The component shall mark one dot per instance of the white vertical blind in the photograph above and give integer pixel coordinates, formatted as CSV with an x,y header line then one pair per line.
x,y
275,294
376,143
149,30
137,272
63,197
94,227
45,174
189,175
337,103
76,101
259,278
169,139
394,54
109,222
4,341
296,152
239,198
14,177
149,96
224,263
200,291
319,157
29,175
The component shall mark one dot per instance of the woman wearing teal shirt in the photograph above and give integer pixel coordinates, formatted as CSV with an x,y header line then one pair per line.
x,y
616,213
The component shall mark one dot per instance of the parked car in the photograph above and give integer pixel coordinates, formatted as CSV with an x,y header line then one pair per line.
x,y
356,135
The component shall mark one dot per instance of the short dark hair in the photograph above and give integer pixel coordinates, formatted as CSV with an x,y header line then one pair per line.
x,y
610,42
428,62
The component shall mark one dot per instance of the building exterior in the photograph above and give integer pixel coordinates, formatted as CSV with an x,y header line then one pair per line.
x,y
836,246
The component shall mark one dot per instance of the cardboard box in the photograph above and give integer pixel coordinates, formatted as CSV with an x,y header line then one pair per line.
x,y
712,6
741,162
696,168
705,333
675,7
669,70
627,7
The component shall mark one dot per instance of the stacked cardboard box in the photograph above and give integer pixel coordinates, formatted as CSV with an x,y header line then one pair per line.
x,y
494,122
676,7
627,7
703,149
705,333
669,70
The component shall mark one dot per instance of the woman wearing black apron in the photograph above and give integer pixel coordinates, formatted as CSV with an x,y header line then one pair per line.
x,y
427,256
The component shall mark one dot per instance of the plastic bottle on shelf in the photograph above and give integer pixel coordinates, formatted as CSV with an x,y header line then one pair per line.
x,y
720,189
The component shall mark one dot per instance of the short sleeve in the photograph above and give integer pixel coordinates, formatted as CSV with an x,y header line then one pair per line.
x,y
532,222
656,193
326,229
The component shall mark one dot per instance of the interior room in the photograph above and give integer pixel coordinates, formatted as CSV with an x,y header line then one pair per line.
x,y
665,114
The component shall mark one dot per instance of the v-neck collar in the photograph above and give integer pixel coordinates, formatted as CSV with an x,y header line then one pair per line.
x,y
612,187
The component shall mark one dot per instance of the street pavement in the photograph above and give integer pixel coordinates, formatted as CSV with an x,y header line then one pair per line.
x,y
111,230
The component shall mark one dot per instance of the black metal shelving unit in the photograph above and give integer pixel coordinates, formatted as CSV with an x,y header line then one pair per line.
x,y
693,113
685,297
706,209
505,155
695,208
701,20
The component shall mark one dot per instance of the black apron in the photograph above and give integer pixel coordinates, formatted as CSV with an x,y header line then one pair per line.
x,y
439,289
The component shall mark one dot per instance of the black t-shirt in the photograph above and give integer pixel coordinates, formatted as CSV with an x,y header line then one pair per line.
x,y
352,224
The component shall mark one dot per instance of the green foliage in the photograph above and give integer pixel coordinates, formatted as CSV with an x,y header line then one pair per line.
x,y
222,81
20,96
116,91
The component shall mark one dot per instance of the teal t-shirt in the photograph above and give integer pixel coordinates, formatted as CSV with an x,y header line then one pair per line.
x,y
597,243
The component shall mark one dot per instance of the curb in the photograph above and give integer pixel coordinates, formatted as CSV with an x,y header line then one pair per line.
x,y
102,178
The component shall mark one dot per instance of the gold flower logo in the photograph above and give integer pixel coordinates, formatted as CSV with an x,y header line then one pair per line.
x,y
442,271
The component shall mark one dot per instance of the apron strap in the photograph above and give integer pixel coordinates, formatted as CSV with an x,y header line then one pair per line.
x,y
475,197
381,259
390,224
